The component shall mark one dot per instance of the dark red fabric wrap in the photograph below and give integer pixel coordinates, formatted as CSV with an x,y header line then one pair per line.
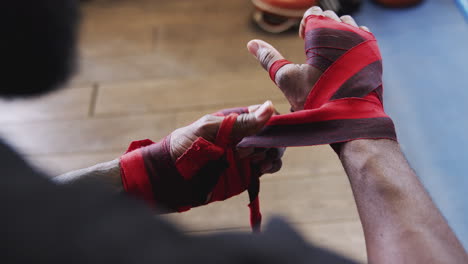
x,y
346,103
207,172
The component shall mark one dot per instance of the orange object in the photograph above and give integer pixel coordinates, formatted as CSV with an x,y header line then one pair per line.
x,y
286,8
276,16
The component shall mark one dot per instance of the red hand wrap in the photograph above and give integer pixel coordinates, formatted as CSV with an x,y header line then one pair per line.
x,y
275,67
149,173
132,161
345,103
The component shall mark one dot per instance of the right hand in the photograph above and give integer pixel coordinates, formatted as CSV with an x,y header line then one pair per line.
x,y
267,159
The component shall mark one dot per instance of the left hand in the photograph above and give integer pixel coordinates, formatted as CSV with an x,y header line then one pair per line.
x,y
268,160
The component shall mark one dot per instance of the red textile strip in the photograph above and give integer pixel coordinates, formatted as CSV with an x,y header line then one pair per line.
x,y
255,215
237,177
318,133
314,21
275,67
224,132
135,179
139,144
191,161
347,108
341,70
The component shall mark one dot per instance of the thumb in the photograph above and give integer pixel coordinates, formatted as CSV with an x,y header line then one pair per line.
x,y
251,123
265,53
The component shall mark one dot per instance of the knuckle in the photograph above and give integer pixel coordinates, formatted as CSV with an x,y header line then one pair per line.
x,y
244,126
315,8
208,124
242,122
273,153
204,120
281,152
277,166
265,57
287,76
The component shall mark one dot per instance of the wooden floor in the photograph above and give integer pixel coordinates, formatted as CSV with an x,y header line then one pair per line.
x,y
149,67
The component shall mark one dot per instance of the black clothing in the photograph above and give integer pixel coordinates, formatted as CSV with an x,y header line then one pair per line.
x,y
43,222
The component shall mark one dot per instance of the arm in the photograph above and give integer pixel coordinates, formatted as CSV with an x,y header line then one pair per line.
x,y
401,223
107,172
148,170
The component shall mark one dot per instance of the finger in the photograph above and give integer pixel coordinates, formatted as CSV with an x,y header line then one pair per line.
x,y
332,15
275,153
349,20
265,53
251,123
315,10
259,157
271,166
253,108
263,155
365,28
245,152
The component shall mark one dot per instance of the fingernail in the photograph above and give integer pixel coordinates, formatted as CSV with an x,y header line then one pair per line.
x,y
263,111
252,46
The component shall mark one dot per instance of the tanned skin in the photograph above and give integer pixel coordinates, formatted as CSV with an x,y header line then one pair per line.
x,y
400,221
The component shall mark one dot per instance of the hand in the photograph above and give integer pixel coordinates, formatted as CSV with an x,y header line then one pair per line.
x,y
268,160
296,80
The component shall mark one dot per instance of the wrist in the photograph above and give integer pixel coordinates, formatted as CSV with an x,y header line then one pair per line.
x,y
369,162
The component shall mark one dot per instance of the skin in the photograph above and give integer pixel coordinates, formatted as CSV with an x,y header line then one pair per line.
x,y
269,160
400,221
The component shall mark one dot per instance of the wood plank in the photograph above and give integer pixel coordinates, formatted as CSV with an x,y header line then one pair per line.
x,y
189,43
222,43
221,47
325,197
216,92
62,104
86,135
110,29
129,68
309,161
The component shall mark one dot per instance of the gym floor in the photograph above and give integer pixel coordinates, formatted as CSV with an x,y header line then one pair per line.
x,y
148,67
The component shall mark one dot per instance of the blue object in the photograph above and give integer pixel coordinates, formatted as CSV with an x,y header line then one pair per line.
x,y
425,52
463,4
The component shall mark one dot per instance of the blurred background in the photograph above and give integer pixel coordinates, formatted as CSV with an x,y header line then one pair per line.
x,y
148,67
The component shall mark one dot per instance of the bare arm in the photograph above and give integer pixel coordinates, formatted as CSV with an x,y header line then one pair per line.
x,y
107,172
401,223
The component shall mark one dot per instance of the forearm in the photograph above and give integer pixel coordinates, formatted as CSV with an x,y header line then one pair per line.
x,y
401,223
106,172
